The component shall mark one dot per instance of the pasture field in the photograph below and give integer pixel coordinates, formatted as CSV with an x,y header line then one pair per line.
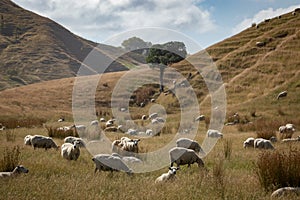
x,y
52,177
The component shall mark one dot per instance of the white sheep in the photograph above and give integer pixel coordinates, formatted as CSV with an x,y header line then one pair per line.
x,y
132,131
200,118
249,142
94,123
70,151
61,119
289,140
183,156
287,131
214,133
109,124
125,146
106,162
72,140
18,170
39,141
153,116
144,117
286,191
167,176
282,94
149,132
260,143
189,144
128,159
102,119
79,128
2,127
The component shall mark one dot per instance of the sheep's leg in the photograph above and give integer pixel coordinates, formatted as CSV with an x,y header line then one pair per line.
x,y
95,170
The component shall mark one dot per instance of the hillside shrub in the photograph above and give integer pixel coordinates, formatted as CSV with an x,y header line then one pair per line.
x,y
10,159
276,169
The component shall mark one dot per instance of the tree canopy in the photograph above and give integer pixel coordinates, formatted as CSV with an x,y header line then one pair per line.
x,y
168,53
135,43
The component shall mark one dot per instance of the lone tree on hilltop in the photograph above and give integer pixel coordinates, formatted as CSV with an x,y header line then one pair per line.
x,y
164,55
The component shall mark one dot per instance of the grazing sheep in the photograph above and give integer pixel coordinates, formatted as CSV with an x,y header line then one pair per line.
x,y
27,139
18,170
132,131
109,124
79,128
153,116
102,119
167,176
128,159
189,144
287,131
200,118
61,119
39,141
282,94
2,127
260,44
261,143
144,117
149,132
111,129
94,123
286,191
160,119
288,140
70,151
273,139
125,146
152,100
294,13
214,133
183,156
249,142
106,162
72,140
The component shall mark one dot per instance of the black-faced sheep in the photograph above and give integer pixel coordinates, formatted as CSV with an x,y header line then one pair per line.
x,y
189,144
286,191
39,141
183,156
70,151
167,176
249,142
106,162
18,170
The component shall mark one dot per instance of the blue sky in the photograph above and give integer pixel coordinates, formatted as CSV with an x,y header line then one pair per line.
x,y
204,21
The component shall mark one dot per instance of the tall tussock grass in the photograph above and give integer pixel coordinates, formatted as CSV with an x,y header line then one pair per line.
x,y
56,133
10,135
11,123
10,158
276,169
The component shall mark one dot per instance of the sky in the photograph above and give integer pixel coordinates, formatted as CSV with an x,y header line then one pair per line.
x,y
204,22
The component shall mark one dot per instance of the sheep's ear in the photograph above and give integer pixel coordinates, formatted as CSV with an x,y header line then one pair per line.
x,y
170,168
178,168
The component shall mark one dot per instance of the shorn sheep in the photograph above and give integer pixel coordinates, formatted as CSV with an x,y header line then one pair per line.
x,y
39,141
18,170
214,133
167,176
106,162
260,143
183,156
70,151
72,140
249,142
286,191
189,144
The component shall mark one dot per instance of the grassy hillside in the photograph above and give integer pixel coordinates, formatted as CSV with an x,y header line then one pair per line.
x,y
35,49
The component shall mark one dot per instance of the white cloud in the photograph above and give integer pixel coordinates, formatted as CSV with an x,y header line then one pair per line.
x,y
260,16
98,19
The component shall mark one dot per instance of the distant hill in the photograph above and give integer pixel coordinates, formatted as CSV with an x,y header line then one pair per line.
x,y
253,74
35,48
